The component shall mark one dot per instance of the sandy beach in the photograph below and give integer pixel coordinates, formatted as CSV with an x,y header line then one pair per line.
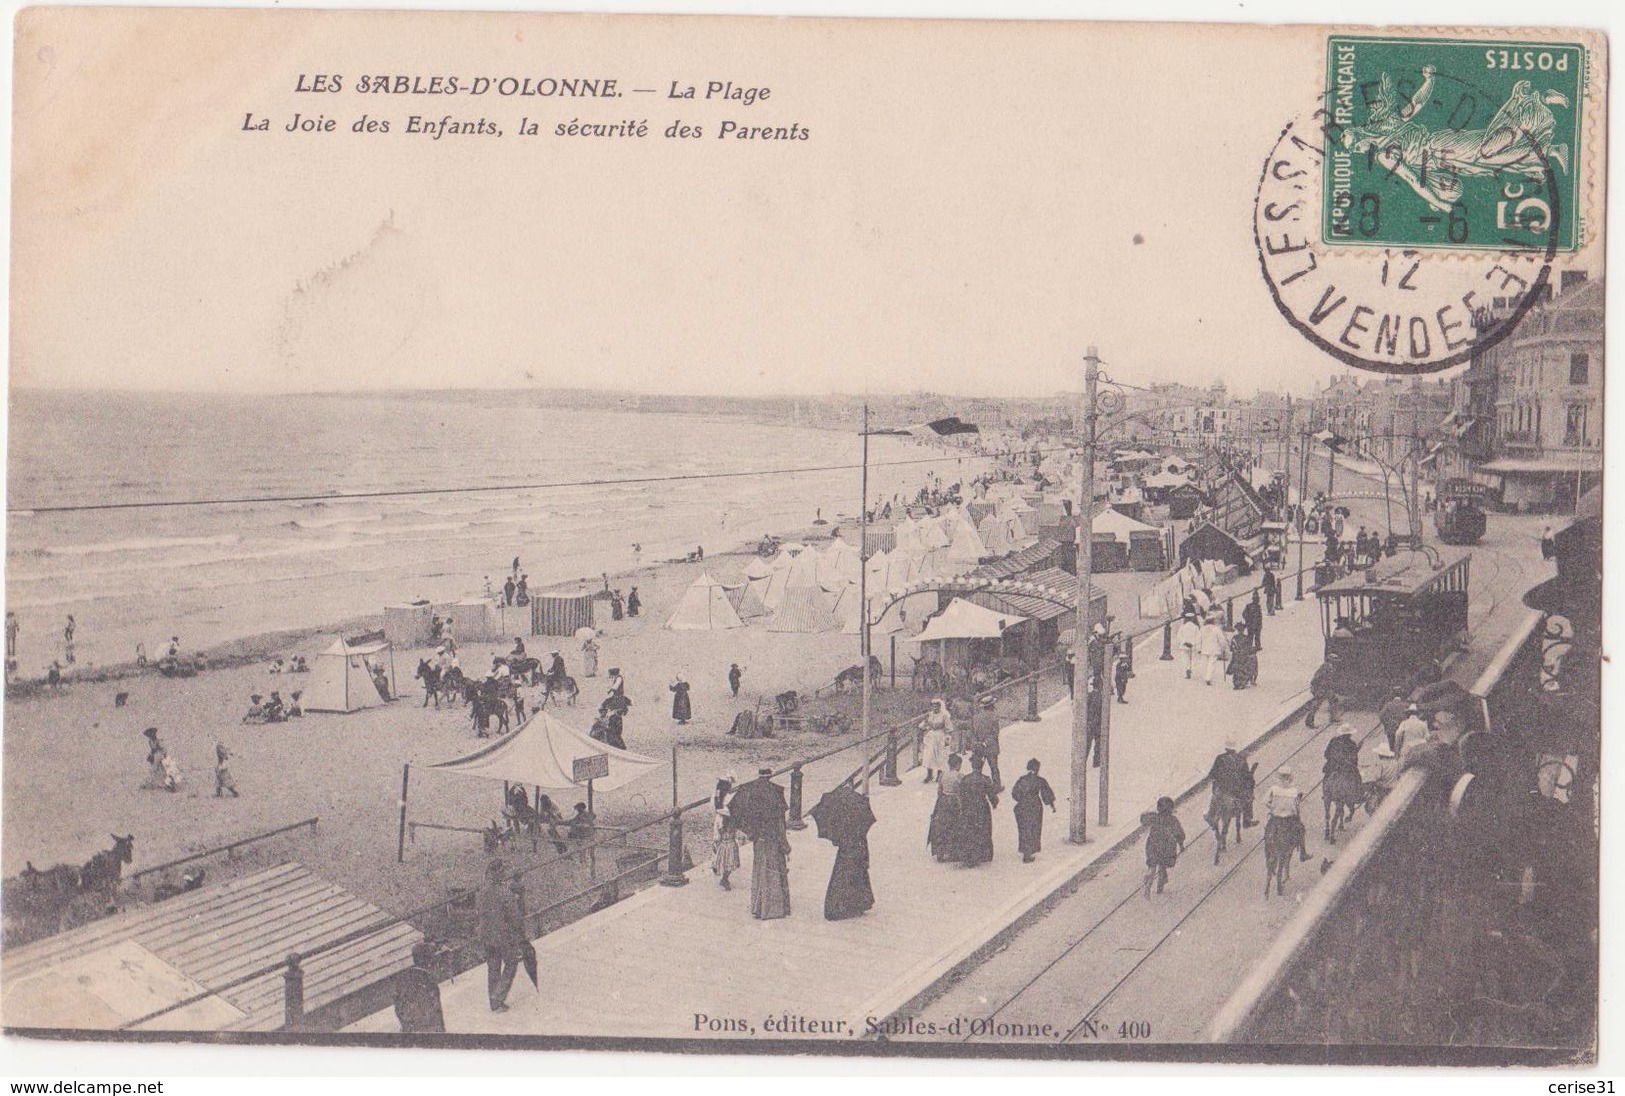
x,y
75,763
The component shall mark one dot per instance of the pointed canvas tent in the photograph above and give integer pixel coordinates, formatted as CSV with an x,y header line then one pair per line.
x,y
341,677
967,548
931,534
543,753
749,600
704,608
844,605
995,536
838,565
803,605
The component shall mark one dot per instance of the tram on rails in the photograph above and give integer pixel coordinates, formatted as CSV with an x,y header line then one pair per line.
x,y
1394,622
1460,517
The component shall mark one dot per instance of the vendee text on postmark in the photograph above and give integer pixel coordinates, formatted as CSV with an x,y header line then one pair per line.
x,y
1410,219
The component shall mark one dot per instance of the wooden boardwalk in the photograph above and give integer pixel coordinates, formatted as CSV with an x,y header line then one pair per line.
x,y
691,962
111,972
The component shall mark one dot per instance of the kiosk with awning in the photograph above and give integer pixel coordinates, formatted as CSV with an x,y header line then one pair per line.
x,y
544,753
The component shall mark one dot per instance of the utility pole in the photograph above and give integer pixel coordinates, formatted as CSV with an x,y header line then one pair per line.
x,y
1078,832
863,593
1303,503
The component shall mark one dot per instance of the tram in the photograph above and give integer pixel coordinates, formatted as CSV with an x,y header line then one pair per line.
x,y
1387,624
1460,517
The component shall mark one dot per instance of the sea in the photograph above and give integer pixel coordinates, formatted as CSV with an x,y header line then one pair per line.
x,y
458,487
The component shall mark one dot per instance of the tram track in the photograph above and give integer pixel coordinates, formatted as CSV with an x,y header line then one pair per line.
x,y
1085,978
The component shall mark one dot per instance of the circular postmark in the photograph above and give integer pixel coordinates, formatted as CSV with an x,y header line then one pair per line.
x,y
1483,219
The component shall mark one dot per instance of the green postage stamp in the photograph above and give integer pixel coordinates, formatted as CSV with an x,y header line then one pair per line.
x,y
1449,143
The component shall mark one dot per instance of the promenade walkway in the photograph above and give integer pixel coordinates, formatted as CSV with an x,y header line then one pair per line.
x,y
691,962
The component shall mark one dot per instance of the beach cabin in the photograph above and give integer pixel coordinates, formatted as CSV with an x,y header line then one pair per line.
x,y
409,625
560,614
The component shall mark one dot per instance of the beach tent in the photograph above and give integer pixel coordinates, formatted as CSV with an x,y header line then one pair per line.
x,y
704,608
803,605
758,568
546,753
995,535
747,598
342,676
930,533
967,548
844,605
838,564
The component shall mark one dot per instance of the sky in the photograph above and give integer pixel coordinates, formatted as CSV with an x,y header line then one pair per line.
x,y
976,205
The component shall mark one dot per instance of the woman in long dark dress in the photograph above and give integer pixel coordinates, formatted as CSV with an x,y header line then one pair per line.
x,y
1032,794
681,709
844,818
973,843
945,814
1243,661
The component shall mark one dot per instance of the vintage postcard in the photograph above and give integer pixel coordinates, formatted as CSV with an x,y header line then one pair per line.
x,y
807,536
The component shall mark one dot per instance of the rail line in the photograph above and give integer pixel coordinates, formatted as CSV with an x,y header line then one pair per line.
x,y
1495,561
1134,893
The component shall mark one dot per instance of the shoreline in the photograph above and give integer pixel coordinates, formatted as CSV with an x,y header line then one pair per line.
x,y
263,647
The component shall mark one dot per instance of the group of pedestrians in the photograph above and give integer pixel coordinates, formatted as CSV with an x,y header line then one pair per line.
x,y
1212,648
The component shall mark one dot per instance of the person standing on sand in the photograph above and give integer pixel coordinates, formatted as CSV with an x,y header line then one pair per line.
x,y
682,709
634,604
589,657
507,591
223,781
12,628
521,591
617,609
735,676
67,640
156,755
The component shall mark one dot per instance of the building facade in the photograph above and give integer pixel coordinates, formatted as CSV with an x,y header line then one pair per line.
x,y
1527,415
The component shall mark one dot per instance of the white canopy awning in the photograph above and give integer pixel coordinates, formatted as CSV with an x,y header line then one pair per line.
x,y
966,620
543,753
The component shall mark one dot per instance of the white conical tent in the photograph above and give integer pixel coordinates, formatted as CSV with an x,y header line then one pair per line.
x,y
967,547
803,605
747,597
342,678
772,591
932,535
543,753
758,568
995,536
704,608
838,565
844,606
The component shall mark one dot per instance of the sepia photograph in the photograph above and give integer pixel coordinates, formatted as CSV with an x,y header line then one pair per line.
x,y
875,539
